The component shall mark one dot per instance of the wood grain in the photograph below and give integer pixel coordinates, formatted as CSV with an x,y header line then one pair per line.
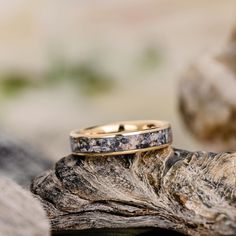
x,y
189,192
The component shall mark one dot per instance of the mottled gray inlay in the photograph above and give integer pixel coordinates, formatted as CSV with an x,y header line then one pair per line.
x,y
121,142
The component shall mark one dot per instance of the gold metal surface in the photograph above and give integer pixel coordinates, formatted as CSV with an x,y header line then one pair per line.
x,y
121,128
130,130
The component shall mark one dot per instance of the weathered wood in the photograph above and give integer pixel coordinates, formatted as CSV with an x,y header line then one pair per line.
x,y
20,213
189,192
20,161
207,97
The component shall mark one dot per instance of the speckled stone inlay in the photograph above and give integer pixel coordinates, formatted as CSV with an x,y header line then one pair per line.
x,y
121,143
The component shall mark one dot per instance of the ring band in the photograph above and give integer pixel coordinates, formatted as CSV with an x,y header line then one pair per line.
x,y
121,138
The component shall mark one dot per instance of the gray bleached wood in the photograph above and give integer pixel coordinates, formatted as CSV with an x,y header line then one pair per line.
x,y
20,161
20,213
189,192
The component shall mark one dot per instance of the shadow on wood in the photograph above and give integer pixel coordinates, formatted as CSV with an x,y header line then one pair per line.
x,y
118,232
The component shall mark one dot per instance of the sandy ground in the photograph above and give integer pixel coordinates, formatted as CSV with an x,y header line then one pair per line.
x,y
116,32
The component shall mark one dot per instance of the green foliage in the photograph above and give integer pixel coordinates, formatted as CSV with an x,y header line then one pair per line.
x,y
14,83
85,77
151,58
91,80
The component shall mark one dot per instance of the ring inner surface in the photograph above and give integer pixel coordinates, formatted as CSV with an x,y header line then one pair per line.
x,y
120,128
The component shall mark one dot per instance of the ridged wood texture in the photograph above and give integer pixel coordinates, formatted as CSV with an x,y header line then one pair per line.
x,y
189,192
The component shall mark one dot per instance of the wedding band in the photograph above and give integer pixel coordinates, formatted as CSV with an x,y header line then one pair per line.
x,y
121,138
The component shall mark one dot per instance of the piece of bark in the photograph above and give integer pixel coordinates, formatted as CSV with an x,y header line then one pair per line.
x,y
20,213
189,192
207,98
20,161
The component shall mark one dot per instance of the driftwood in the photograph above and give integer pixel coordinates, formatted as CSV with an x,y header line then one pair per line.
x,y
207,97
189,192
20,161
20,213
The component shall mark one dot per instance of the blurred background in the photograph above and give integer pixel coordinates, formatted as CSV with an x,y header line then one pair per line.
x,y
72,64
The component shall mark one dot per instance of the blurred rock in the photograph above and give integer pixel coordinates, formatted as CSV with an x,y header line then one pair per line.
x,y
21,214
20,161
207,98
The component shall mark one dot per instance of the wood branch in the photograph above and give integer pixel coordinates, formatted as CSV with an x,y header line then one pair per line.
x,y
207,97
189,192
21,214
20,161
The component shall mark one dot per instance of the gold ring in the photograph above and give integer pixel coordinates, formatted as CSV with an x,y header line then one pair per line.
x,y
121,138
